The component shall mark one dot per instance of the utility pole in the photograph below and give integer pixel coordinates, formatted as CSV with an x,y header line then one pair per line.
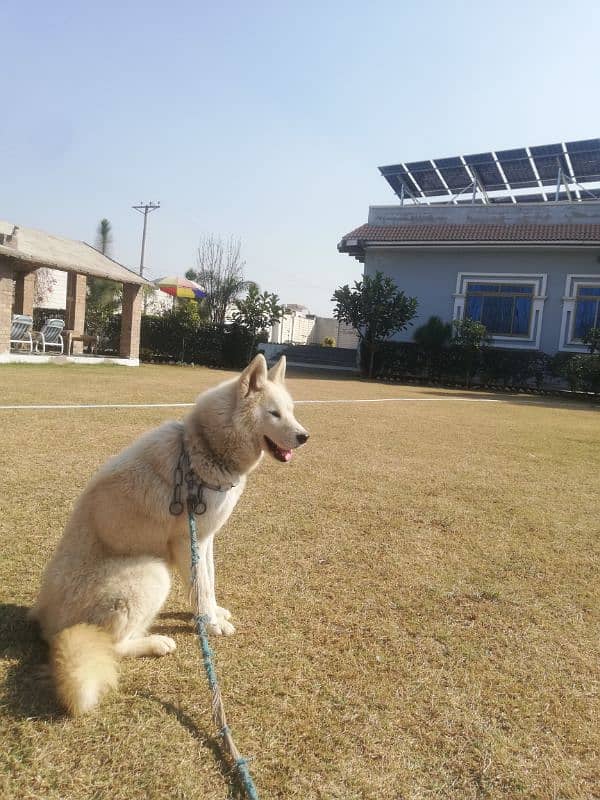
x,y
145,208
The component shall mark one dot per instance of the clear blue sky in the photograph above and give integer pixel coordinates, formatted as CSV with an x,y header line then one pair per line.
x,y
268,120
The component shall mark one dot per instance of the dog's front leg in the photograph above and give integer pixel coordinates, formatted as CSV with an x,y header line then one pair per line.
x,y
223,614
181,556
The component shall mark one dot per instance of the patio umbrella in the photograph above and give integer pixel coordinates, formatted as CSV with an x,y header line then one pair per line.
x,y
181,287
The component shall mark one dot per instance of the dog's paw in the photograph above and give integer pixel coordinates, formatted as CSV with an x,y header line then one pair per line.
x,y
223,613
161,645
220,628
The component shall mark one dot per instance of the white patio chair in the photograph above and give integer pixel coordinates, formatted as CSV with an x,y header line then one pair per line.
x,y
50,335
20,331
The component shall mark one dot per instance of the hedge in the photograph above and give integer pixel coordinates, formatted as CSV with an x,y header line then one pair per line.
x,y
490,366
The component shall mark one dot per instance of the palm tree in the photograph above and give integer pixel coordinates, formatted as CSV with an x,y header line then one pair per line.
x,y
104,237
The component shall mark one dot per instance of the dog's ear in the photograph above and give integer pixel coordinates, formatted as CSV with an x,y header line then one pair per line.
x,y
277,371
254,377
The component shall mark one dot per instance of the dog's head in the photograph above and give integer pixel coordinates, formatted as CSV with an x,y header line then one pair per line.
x,y
262,394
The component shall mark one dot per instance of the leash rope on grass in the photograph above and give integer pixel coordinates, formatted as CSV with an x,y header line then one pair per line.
x,y
218,710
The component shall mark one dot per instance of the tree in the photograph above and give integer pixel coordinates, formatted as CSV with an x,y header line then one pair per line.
x,y
592,340
376,309
103,295
104,237
432,338
471,337
257,311
220,270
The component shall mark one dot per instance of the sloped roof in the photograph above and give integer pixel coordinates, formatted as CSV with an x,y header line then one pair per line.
x,y
473,234
31,249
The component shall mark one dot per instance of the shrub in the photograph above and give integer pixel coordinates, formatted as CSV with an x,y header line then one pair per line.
x,y
434,335
592,339
580,370
513,367
328,341
177,336
470,338
433,339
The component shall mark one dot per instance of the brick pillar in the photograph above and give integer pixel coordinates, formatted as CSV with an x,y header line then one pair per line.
x,y
24,289
131,320
75,316
6,301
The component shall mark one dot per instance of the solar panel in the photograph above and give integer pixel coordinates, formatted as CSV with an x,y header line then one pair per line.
x,y
585,158
425,175
517,168
484,166
501,175
547,159
396,175
454,173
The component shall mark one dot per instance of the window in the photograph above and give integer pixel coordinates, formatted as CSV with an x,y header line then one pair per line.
x,y
587,310
505,309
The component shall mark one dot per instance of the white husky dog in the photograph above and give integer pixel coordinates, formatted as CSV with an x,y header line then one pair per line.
x,y
109,576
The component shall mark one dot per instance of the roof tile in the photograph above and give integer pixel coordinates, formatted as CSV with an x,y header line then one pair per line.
x,y
421,234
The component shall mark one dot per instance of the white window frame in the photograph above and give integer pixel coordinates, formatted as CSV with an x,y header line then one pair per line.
x,y
539,282
567,343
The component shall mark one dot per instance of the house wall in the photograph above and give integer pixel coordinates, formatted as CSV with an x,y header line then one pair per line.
x,y
344,335
497,214
57,296
292,327
430,275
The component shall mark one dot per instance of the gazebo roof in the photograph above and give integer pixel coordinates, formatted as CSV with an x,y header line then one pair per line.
x,y
31,249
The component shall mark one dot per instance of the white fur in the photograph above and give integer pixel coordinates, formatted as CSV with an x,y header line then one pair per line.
x,y
111,567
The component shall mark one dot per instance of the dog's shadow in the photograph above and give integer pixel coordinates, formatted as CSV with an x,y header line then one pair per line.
x,y
27,691
185,618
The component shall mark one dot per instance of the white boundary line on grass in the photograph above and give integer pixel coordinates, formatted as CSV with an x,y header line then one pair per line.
x,y
62,407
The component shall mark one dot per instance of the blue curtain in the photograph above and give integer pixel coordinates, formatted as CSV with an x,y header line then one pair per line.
x,y
586,312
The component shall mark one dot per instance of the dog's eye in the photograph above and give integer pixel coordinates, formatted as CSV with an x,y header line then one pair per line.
x,y
275,414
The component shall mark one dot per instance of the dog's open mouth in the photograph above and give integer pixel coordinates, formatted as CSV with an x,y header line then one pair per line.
x,y
278,452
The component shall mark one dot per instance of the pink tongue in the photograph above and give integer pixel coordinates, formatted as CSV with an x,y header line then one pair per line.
x,y
287,454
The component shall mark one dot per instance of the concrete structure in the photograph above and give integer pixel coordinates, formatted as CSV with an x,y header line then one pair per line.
x,y
24,250
530,270
297,326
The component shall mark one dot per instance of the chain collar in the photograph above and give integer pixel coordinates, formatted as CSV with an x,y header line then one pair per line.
x,y
184,471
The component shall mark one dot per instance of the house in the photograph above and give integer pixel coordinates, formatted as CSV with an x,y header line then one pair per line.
x,y
517,247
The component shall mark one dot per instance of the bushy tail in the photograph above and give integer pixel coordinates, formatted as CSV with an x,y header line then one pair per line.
x,y
84,666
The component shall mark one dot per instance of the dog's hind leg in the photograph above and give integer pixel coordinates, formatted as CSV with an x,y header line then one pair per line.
x,y
147,584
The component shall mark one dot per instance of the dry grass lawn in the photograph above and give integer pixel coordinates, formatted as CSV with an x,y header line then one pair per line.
x,y
416,597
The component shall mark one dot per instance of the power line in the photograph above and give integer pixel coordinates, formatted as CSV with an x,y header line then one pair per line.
x,y
145,208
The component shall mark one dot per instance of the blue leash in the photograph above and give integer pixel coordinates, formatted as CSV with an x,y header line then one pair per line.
x,y
218,711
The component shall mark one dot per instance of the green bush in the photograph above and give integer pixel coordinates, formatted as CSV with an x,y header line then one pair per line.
x,y
580,370
497,367
434,335
328,341
179,336
513,367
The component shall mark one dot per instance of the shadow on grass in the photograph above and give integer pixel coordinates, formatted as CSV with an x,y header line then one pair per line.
x,y
213,743
577,402
170,630
27,692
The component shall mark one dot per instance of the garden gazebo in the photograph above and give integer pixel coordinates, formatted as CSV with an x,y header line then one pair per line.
x,y
24,250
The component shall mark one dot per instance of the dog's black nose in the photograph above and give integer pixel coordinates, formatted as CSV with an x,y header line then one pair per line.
x,y
302,438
